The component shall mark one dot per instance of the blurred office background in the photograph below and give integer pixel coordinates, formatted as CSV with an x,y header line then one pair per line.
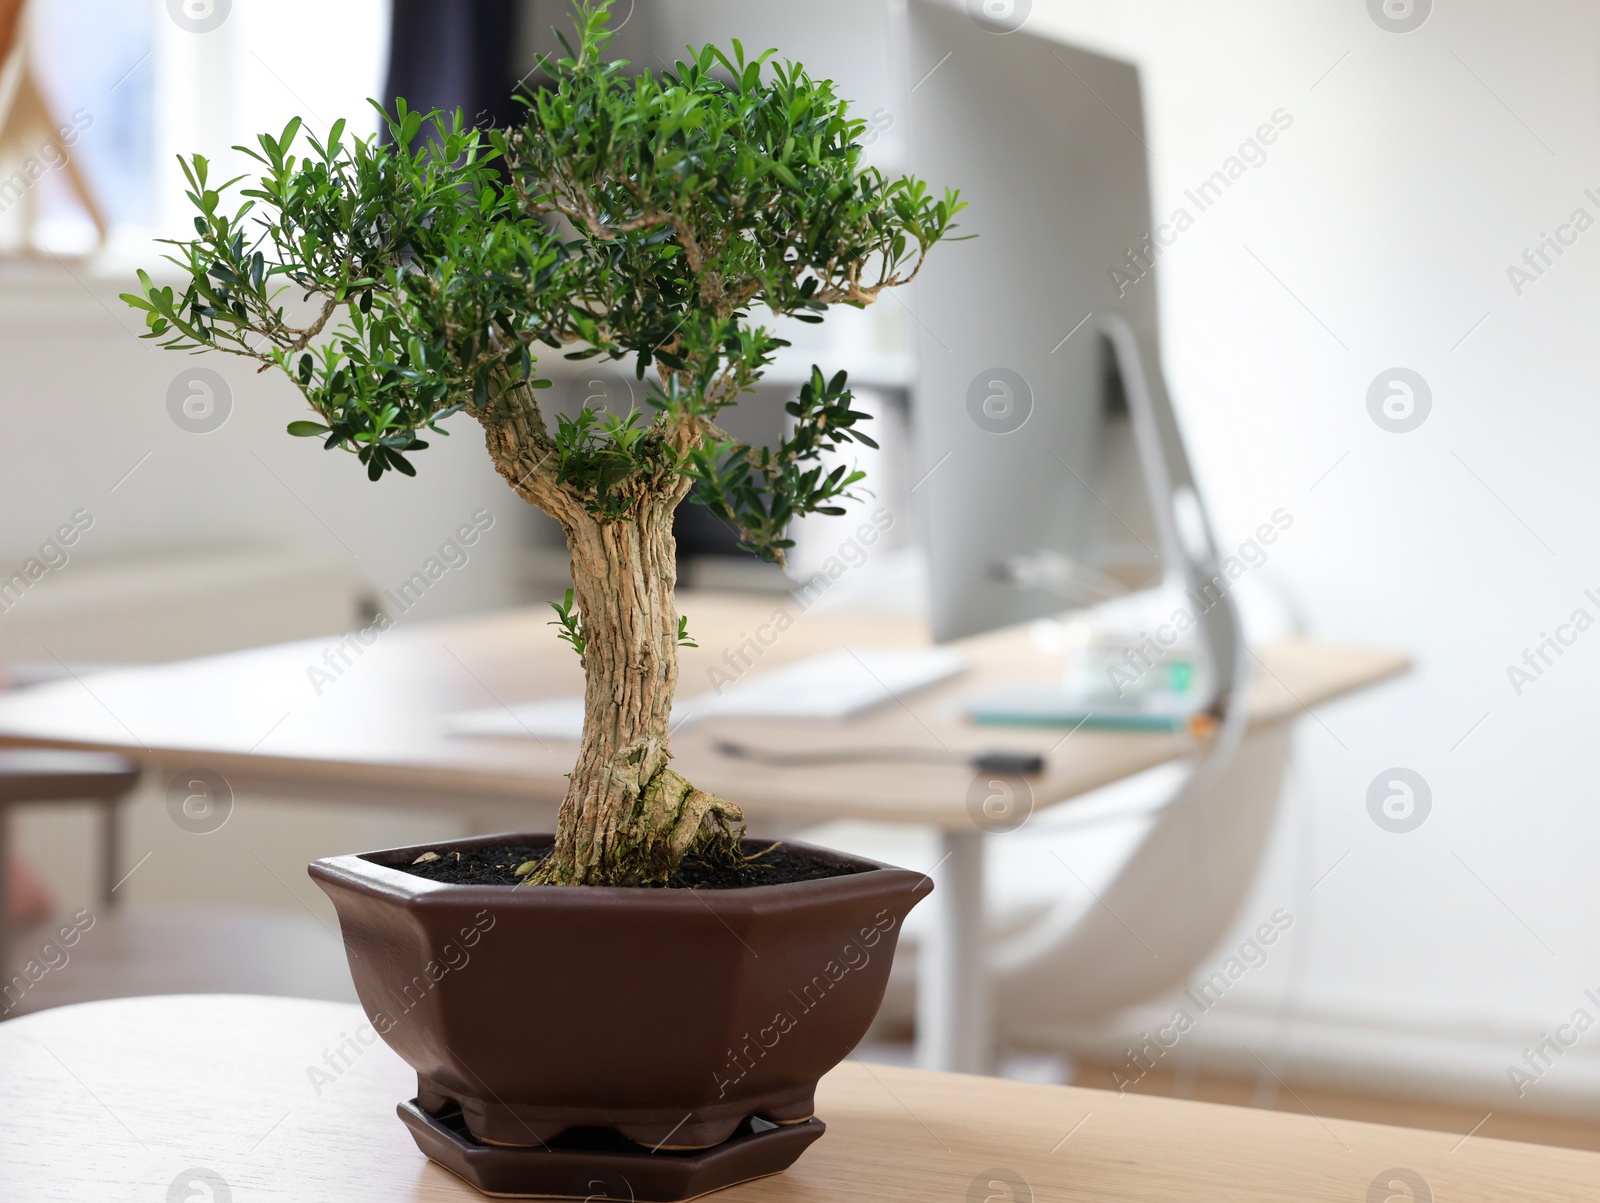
x,y
1411,172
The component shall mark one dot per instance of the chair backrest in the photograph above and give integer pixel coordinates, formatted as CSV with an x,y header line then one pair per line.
x,y
1162,915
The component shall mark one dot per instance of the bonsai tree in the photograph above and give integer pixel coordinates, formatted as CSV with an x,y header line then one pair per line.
x,y
628,215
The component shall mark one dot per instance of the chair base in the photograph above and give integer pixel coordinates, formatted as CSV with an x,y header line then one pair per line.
x,y
597,1164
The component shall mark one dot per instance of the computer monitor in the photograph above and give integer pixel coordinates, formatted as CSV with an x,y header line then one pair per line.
x,y
1052,471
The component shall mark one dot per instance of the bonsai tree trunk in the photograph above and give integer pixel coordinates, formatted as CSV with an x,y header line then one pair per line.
x,y
627,817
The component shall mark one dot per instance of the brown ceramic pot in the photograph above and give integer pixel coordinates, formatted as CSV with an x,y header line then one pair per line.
x,y
669,1016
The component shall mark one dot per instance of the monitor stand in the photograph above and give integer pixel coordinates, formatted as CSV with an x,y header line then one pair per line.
x,y
1130,697
1188,550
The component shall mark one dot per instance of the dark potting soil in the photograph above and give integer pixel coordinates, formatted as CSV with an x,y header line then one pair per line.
x,y
495,865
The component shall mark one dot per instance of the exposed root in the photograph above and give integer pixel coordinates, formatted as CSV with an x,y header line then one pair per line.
x,y
669,819
679,819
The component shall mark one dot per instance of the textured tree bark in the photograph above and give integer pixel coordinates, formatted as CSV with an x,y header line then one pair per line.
x,y
627,817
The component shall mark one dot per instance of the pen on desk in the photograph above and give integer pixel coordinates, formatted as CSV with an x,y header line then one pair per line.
x,y
1017,763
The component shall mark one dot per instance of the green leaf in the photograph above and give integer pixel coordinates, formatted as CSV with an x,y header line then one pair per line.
x,y
307,430
570,622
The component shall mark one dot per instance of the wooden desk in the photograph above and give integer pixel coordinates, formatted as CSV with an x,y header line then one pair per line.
x,y
375,732
119,1100
367,726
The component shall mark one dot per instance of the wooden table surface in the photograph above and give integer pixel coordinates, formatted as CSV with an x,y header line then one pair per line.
x,y
122,1100
375,732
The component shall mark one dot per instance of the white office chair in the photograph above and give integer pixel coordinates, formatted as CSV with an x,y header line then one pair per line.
x,y
1085,922
1111,899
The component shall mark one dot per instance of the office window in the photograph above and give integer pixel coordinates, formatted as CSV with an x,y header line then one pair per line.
x,y
91,59
145,81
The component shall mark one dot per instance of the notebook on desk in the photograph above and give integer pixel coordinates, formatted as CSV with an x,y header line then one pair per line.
x,y
835,685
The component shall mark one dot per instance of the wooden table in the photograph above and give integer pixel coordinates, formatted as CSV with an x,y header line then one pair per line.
x,y
353,722
123,1099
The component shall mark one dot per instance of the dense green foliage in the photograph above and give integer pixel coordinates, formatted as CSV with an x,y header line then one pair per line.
x,y
640,215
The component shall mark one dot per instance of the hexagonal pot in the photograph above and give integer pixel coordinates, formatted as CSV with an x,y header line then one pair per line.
x,y
668,1016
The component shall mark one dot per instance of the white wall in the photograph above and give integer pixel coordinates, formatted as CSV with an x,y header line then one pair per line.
x,y
1378,234
84,404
